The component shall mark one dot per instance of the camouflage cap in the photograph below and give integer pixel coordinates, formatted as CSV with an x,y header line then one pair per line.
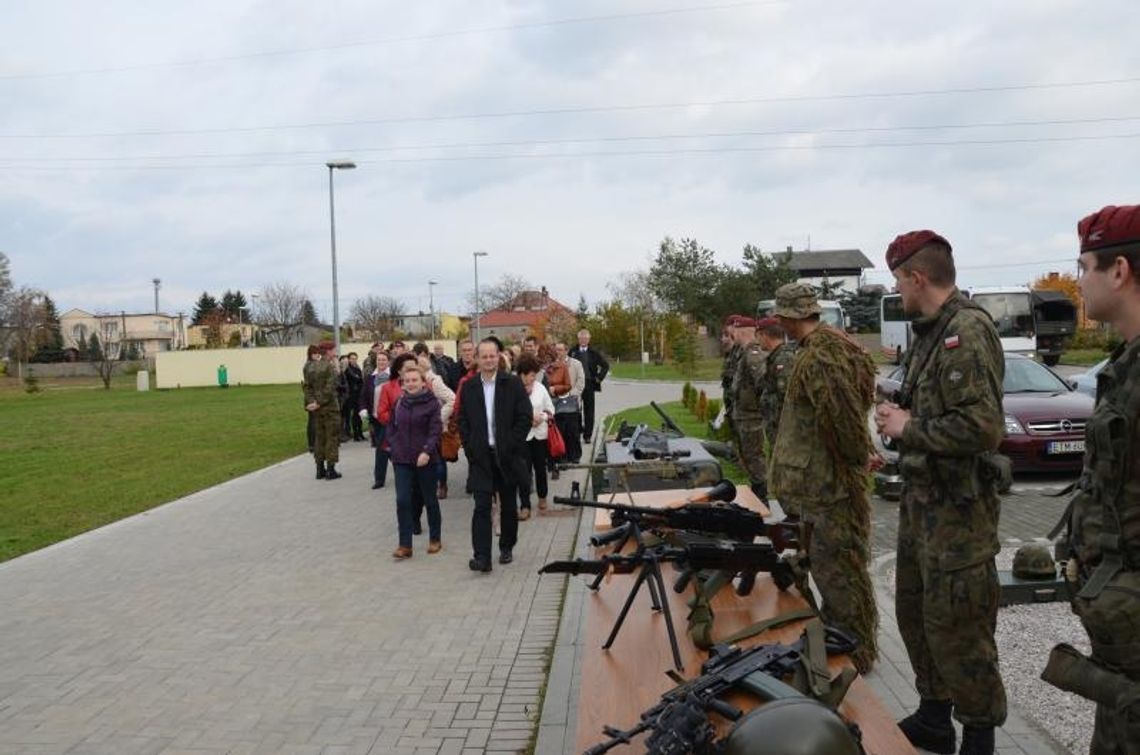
x,y
796,301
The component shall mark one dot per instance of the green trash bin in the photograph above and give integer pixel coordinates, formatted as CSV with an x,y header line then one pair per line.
x,y
223,377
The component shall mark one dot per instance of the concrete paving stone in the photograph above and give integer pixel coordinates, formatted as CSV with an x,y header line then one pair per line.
x,y
478,737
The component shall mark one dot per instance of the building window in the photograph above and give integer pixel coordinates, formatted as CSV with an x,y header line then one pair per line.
x,y
79,333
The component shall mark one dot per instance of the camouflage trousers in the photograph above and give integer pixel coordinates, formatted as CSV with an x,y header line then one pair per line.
x,y
947,621
750,448
1112,620
840,555
326,447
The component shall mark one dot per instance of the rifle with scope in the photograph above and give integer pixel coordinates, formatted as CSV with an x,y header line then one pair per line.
x,y
680,723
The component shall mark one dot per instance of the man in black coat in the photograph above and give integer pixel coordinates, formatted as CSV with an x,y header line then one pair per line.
x,y
596,368
494,419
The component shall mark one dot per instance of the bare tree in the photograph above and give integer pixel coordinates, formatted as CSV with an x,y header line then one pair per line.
x,y
279,312
506,288
377,314
24,318
633,290
104,353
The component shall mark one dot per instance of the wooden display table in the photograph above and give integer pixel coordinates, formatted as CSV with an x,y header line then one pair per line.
x,y
619,683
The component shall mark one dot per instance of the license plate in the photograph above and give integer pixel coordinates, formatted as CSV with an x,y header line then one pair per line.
x,y
1065,447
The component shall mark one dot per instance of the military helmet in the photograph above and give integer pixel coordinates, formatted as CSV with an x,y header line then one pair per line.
x,y
1034,562
792,726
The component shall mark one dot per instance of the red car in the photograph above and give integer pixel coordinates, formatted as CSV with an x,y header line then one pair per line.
x,y
1044,417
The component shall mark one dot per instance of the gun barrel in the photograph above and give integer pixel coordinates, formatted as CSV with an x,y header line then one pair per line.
x,y
578,566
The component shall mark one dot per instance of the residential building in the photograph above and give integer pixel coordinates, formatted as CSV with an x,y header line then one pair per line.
x,y
831,266
149,332
197,336
528,313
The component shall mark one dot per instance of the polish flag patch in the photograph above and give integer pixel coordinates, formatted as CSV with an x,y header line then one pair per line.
x,y
952,342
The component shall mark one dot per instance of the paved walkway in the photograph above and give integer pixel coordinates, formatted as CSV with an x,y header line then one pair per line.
x,y
266,616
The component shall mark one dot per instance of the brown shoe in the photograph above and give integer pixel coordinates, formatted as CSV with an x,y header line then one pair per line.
x,y
434,546
401,553
542,504
524,514
441,491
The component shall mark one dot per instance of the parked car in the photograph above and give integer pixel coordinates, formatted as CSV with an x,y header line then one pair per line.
x,y
1044,422
1085,382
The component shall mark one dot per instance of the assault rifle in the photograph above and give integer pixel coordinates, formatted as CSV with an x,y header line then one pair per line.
x,y
736,558
680,723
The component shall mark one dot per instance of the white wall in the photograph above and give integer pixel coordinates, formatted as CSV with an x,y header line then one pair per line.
x,y
273,365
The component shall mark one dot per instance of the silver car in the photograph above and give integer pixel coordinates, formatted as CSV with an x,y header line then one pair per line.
x,y
1085,382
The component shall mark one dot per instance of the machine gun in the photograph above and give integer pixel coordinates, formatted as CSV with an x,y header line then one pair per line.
x,y
667,421
736,558
680,723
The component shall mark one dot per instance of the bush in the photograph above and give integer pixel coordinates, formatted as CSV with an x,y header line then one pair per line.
x,y
714,408
687,395
702,410
1105,339
31,384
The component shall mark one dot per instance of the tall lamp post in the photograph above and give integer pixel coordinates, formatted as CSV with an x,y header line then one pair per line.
x,y
431,305
477,255
253,317
343,165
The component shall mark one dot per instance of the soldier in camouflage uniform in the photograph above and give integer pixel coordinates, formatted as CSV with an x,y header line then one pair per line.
x,y
747,417
728,369
321,400
819,463
1103,571
949,421
777,369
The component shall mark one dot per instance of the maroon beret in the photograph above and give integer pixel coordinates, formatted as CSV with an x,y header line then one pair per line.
x,y
326,345
1110,227
732,321
767,322
745,322
905,246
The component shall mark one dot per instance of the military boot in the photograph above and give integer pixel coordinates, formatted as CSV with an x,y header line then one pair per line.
x,y
332,474
760,490
930,728
321,473
977,740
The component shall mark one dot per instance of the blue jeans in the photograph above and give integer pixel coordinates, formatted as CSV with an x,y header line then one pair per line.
x,y
406,476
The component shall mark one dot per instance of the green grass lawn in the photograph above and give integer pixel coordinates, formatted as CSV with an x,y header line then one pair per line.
x,y
1084,357
77,457
685,420
707,369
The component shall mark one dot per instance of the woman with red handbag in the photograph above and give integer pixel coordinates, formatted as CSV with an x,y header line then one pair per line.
x,y
528,369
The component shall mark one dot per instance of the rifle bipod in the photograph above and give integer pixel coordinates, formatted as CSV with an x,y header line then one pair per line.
x,y
649,573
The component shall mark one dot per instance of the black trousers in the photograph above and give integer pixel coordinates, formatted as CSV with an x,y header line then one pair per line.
x,y
481,529
570,425
537,450
352,426
587,414
311,431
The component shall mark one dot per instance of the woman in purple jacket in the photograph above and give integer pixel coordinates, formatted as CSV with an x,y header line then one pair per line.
x,y
413,435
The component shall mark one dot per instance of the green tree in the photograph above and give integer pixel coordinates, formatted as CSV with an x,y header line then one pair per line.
x,y
309,314
234,305
614,330
583,312
685,351
685,276
94,349
81,346
206,304
49,339
829,289
863,307
766,271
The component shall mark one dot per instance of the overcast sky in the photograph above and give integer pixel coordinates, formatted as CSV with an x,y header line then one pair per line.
x,y
187,141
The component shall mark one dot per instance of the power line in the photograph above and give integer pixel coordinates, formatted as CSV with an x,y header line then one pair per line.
x,y
581,140
609,153
383,41
578,110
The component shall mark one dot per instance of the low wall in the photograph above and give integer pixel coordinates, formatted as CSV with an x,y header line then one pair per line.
x,y
72,369
270,365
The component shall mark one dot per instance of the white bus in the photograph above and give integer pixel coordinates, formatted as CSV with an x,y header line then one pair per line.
x,y
832,312
895,333
1011,308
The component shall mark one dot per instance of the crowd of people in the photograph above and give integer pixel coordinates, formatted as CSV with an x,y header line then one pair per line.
x,y
798,394
502,407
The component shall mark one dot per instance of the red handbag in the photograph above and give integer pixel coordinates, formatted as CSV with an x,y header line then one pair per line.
x,y
555,443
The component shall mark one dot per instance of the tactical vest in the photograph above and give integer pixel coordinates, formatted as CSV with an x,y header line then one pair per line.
x,y
774,386
1104,523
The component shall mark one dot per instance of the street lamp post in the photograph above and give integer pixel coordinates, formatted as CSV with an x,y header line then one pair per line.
x,y
253,317
477,255
431,305
343,165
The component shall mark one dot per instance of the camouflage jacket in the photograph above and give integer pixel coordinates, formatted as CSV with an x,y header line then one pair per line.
x,y
320,384
954,374
775,386
1110,482
727,372
831,386
747,383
